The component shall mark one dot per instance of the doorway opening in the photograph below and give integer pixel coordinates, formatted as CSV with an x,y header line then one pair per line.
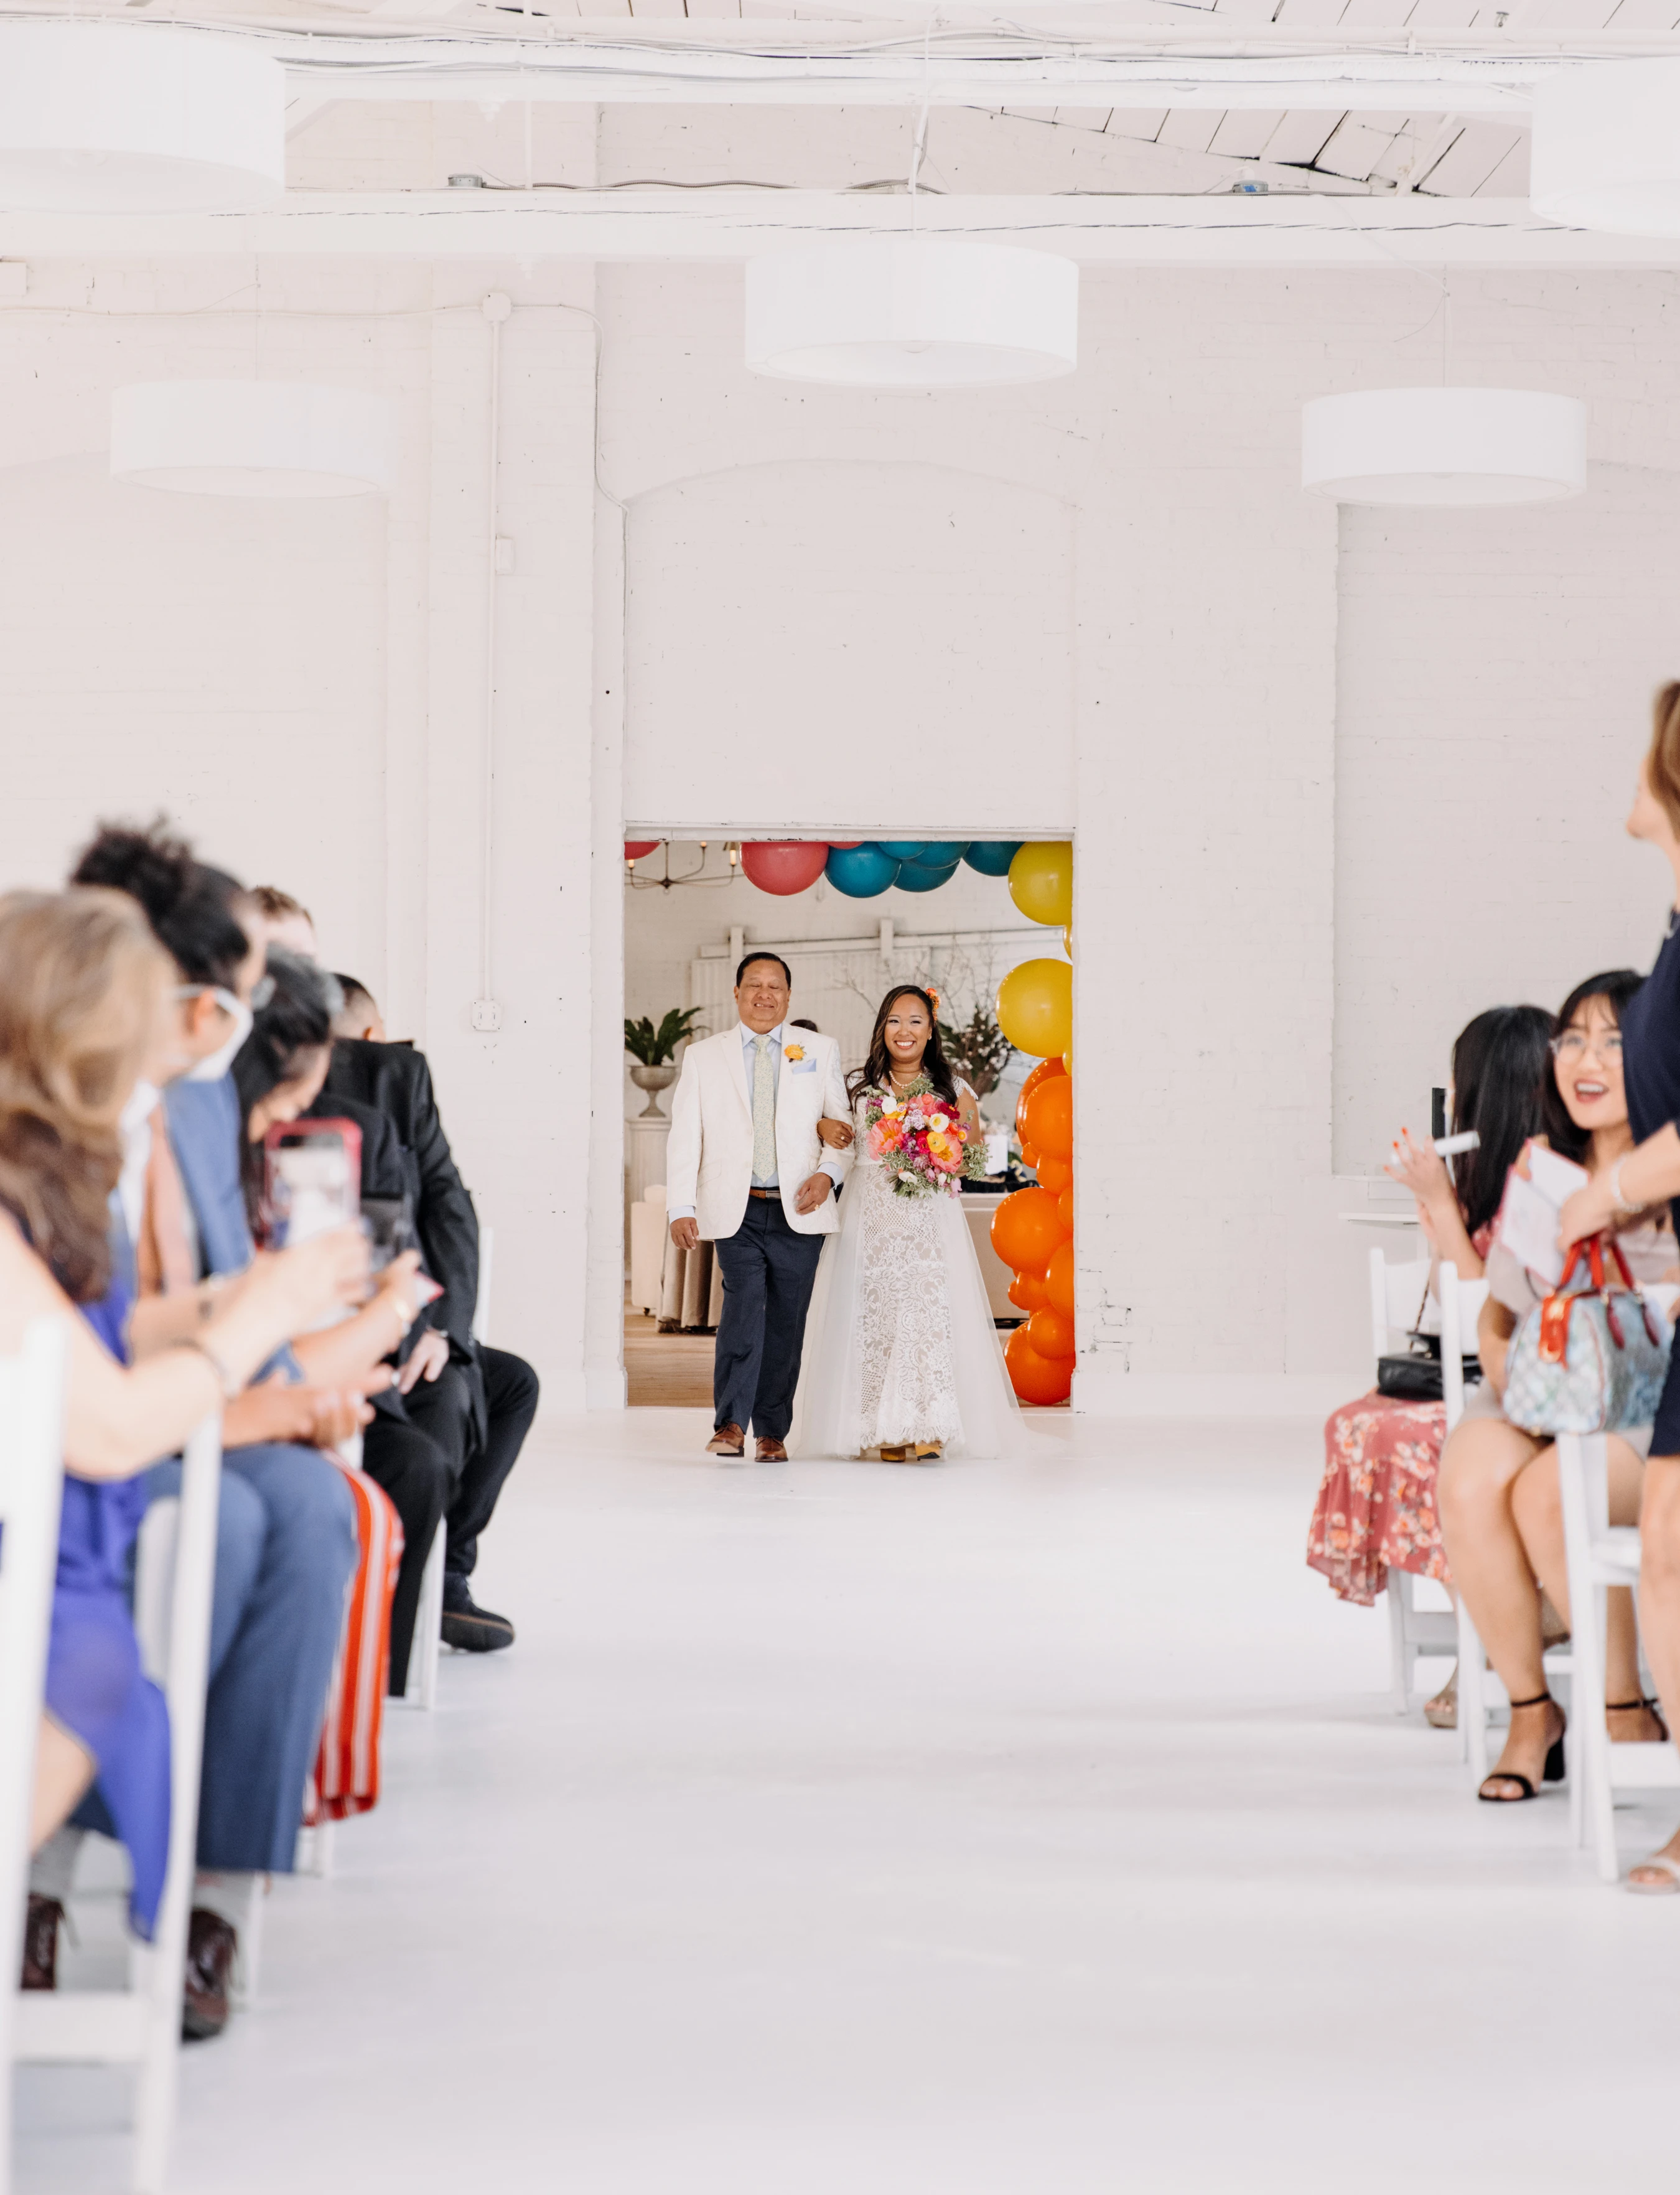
x,y
693,908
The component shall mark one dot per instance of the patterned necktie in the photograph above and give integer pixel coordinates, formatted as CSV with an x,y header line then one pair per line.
x,y
763,1112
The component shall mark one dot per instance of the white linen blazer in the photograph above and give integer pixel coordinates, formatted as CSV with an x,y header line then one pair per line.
x,y
709,1155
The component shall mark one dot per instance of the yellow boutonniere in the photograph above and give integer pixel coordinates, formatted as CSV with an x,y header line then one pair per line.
x,y
792,1051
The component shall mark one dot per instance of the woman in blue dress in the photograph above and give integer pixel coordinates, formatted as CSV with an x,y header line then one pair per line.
x,y
83,989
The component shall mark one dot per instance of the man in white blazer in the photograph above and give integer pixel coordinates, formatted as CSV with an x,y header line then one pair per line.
x,y
746,1168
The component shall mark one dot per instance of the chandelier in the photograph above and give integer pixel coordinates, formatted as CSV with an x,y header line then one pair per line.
x,y
639,849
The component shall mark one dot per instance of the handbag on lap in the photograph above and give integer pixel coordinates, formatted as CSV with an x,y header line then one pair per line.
x,y
1588,1359
346,1777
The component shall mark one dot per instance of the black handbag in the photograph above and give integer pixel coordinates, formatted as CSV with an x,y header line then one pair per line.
x,y
1416,1377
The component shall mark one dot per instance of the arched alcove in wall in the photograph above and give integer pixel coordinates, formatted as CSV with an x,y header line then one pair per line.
x,y
874,642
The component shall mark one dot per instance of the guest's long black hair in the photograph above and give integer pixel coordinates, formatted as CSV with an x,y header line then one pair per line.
x,y
296,1024
876,1072
1615,988
1501,1069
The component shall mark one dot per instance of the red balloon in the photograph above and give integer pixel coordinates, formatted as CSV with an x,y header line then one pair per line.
x,y
1026,1291
1058,1281
1054,1174
1026,1230
1051,1334
635,848
1046,1071
1065,1208
843,845
1034,1378
1049,1118
783,866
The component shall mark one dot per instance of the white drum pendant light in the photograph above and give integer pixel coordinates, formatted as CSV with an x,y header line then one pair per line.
x,y
109,118
269,438
1606,154
1444,445
912,313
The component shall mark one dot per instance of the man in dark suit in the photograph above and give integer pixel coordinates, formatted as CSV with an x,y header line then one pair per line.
x,y
457,1400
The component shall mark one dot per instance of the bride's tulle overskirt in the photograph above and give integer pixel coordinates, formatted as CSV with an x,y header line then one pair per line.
x,y
900,1345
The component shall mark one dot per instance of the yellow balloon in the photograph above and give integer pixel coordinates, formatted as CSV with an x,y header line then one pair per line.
x,y
1067,939
1035,1007
1041,880
1067,1059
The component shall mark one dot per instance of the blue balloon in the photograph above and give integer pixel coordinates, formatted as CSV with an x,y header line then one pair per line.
x,y
860,872
992,856
915,877
902,849
941,853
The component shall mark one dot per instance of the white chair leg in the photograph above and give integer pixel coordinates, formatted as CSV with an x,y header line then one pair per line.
x,y
164,1966
1398,1593
1582,1496
1472,1695
420,1684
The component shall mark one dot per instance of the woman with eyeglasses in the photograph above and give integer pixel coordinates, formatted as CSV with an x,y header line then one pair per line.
x,y
1499,1509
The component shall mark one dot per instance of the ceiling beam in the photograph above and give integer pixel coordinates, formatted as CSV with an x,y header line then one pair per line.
x,y
1281,231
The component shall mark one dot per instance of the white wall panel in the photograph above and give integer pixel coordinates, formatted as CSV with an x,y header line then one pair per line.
x,y
868,644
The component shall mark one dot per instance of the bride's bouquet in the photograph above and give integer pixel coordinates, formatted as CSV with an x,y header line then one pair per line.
x,y
919,1140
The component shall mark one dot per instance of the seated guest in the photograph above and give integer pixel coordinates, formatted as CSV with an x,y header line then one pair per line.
x,y
279,1076
84,1006
458,1399
285,1542
358,1020
279,920
1375,1509
1500,1513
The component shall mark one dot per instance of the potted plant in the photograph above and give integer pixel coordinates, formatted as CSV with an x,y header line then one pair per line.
x,y
655,1050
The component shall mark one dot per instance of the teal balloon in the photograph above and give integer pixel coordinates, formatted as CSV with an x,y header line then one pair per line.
x,y
902,849
941,853
915,876
992,856
860,872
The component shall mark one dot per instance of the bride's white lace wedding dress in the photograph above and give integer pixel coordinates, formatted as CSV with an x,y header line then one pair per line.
x,y
900,1346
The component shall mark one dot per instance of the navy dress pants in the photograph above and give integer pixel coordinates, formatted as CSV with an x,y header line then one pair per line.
x,y
286,1549
769,1272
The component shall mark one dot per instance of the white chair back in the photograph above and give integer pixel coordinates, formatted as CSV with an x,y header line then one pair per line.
x,y
142,2027
1397,1294
32,1480
1461,1303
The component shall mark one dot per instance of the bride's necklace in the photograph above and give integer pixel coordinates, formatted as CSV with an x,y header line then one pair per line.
x,y
901,1086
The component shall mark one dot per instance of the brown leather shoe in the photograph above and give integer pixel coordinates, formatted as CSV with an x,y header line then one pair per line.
x,y
40,1943
728,1440
771,1451
211,1946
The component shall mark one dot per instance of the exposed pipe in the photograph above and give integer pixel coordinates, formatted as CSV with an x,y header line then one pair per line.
x,y
486,1013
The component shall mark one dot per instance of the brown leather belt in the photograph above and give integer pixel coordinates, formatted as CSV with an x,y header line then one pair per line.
x,y
767,1193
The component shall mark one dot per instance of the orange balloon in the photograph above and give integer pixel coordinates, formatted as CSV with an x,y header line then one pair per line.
x,y
1029,1158
1025,1230
1059,1279
1065,1208
1051,1334
1026,1291
1054,1174
1046,1071
1034,1378
1049,1119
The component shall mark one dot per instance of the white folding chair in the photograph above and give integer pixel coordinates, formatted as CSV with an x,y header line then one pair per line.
x,y
419,1685
141,2026
1481,1693
1396,1294
1600,1555
31,1477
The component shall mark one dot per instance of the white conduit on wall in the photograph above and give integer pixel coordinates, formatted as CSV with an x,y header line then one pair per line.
x,y
486,1013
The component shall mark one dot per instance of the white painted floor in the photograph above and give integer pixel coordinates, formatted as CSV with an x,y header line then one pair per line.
x,y
1023,1829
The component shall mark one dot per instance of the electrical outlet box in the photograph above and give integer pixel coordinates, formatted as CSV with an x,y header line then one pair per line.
x,y
487,1015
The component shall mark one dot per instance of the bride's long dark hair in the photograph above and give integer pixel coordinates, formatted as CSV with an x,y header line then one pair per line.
x,y
876,1072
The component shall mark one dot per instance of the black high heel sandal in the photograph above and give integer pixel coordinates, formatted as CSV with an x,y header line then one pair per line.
x,y
1552,1774
1627,1707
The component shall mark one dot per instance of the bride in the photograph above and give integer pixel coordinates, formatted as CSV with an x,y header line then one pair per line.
x,y
901,1353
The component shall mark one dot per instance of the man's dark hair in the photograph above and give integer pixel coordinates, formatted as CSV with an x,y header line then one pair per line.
x,y
359,1003
803,1024
192,908
752,957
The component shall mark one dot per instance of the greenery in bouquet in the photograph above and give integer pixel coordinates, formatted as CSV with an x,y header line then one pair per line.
x,y
921,1142
653,1046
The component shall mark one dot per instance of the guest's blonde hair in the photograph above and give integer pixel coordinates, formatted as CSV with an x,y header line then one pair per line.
x,y
1662,763
81,983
